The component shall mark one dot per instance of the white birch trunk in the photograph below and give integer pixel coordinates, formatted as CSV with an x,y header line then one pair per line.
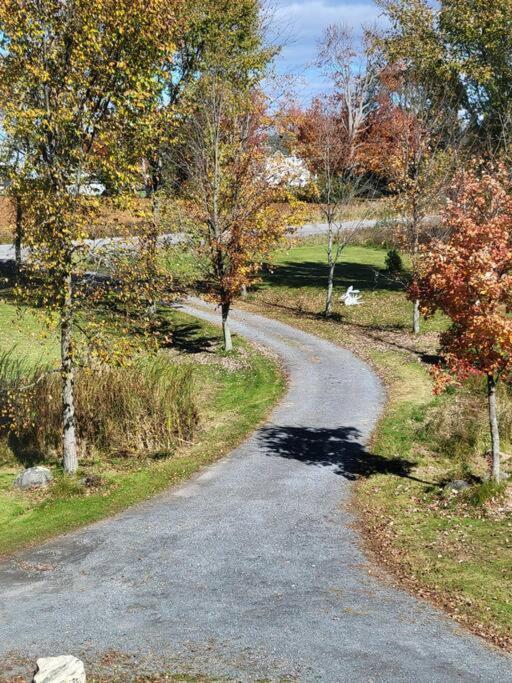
x,y
69,446
330,277
226,332
416,317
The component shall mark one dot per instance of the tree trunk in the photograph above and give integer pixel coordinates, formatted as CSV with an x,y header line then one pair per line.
x,y
330,276
228,344
18,237
243,291
495,434
70,457
416,317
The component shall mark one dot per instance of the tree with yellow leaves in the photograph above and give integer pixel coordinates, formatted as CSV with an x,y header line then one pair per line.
x,y
73,75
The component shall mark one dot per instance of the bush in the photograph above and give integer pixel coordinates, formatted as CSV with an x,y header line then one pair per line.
x,y
382,235
394,264
484,493
139,409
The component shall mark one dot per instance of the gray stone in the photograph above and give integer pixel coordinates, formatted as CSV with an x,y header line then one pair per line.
x,y
456,485
62,669
33,478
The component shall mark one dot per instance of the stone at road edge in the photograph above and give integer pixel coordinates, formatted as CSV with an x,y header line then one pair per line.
x,y
33,477
62,669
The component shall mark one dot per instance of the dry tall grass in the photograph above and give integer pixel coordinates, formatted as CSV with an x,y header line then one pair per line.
x,y
123,411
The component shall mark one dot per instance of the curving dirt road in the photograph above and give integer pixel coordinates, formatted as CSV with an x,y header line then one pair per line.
x,y
252,570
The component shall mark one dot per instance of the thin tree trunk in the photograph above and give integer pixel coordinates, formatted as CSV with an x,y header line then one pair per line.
x,y
416,317
330,276
415,248
18,237
228,344
243,291
495,434
70,457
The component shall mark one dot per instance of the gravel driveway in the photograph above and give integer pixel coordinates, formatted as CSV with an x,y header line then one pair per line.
x,y
253,569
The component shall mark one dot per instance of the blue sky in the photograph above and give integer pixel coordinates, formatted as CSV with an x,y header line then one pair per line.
x,y
299,23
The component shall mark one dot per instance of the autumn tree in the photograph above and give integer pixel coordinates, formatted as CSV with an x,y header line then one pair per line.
x,y
329,133
211,32
413,143
208,28
460,49
319,138
233,208
469,278
73,74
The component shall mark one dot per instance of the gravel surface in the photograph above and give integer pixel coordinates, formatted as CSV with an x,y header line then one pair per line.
x,y
253,569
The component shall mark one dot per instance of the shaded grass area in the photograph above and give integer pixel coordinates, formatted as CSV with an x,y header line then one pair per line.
x,y
454,549
232,396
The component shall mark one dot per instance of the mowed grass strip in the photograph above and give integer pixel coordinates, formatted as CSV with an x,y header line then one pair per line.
x,y
233,395
446,548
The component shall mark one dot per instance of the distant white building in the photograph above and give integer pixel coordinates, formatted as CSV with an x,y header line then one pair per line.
x,y
91,189
287,170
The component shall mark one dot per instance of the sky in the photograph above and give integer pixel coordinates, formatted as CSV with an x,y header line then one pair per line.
x,y
300,23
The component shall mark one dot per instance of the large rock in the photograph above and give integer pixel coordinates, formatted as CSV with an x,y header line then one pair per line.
x,y
456,486
33,478
63,669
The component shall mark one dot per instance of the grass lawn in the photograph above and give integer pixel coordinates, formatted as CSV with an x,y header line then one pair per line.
x,y
298,277
233,395
454,549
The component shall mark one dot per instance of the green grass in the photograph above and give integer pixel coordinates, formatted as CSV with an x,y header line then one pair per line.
x,y
233,397
454,549
299,276
449,548
23,330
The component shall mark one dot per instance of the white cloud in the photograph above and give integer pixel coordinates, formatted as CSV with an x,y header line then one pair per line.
x,y
299,26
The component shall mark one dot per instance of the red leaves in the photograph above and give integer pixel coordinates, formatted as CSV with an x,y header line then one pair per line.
x,y
469,277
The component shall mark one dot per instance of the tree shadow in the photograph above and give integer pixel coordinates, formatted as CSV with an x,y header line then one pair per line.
x,y
191,338
362,276
24,451
338,449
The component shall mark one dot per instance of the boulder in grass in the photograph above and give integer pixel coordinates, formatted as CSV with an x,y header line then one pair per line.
x,y
33,478
63,669
456,486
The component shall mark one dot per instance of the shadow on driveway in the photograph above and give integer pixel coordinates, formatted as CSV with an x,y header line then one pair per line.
x,y
336,448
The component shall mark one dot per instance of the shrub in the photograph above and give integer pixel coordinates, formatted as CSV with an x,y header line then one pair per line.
x,y
382,235
394,264
139,409
484,493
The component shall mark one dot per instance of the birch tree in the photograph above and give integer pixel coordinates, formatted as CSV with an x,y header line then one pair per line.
x,y
74,73
330,133
342,125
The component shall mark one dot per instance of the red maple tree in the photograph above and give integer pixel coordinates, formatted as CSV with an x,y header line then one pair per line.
x,y
469,278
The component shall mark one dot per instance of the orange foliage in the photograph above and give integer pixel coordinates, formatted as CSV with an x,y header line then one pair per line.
x,y
469,277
